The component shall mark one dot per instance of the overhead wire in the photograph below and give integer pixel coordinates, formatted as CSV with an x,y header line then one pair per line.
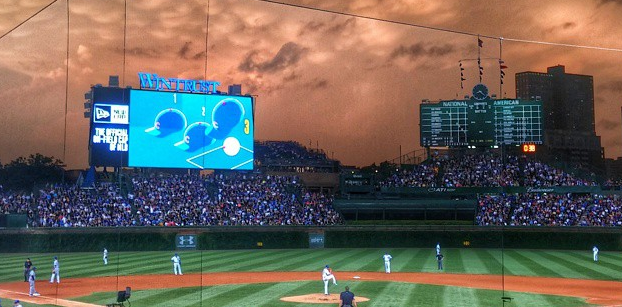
x,y
438,28
27,19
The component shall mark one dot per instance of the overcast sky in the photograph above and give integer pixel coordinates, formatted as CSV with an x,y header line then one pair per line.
x,y
350,85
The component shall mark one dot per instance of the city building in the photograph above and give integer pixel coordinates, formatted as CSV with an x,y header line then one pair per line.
x,y
568,110
235,89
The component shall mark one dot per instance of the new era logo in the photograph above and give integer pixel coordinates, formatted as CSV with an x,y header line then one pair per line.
x,y
101,113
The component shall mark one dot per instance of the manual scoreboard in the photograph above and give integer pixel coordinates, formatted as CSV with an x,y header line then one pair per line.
x,y
480,122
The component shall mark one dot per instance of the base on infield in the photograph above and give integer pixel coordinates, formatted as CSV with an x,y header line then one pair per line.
x,y
318,298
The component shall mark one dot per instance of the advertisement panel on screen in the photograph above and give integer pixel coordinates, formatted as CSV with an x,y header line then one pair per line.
x,y
183,130
109,138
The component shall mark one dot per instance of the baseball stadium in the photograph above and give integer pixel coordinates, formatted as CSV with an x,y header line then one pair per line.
x,y
194,195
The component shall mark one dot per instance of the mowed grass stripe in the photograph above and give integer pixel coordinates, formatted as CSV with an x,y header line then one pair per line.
x,y
534,264
358,256
232,263
604,265
330,258
301,261
293,289
490,259
474,262
514,266
454,256
373,262
163,297
501,266
460,297
403,263
580,267
390,295
418,262
256,295
227,260
427,295
268,262
372,290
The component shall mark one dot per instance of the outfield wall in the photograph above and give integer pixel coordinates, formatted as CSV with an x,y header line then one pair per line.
x,y
277,237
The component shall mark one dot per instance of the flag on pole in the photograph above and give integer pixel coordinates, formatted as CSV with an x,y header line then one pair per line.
x,y
480,43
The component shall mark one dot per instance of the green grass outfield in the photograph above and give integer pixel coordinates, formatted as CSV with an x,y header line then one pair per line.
x,y
565,264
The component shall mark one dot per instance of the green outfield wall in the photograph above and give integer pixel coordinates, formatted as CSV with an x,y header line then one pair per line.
x,y
272,237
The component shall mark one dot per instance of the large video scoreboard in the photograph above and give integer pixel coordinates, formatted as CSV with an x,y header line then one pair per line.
x,y
484,122
144,128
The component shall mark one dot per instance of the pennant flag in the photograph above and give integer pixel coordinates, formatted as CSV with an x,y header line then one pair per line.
x,y
480,43
502,64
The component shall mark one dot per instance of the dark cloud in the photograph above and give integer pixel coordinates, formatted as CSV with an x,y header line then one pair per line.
x,y
317,84
142,52
340,27
609,124
183,52
418,50
568,25
335,28
200,55
612,86
603,2
289,54
311,26
292,77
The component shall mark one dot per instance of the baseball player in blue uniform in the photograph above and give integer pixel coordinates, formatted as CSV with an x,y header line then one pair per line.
x,y
387,262
327,275
55,271
176,264
595,251
105,256
32,277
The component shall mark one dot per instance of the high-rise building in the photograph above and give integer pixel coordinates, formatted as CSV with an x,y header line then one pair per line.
x,y
235,89
568,111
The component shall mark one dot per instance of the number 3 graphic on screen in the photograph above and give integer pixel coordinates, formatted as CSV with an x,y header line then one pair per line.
x,y
247,126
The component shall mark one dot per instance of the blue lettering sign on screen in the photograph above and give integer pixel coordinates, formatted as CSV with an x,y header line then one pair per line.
x,y
181,130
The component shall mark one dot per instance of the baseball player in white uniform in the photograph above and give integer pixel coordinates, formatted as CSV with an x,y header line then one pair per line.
x,y
105,256
327,275
31,280
438,248
176,264
55,271
387,262
595,251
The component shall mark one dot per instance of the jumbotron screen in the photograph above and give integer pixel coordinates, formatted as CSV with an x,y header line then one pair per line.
x,y
139,128
488,122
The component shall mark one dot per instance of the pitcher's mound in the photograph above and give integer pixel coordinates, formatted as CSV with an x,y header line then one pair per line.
x,y
318,298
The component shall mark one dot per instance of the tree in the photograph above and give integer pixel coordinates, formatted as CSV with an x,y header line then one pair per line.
x,y
23,173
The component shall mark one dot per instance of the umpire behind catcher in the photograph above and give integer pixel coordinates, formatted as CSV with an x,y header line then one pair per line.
x,y
347,298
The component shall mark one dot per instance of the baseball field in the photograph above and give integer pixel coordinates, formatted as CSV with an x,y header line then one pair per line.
x,y
471,277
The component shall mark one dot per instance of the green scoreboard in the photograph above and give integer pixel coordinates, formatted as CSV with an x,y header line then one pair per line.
x,y
480,121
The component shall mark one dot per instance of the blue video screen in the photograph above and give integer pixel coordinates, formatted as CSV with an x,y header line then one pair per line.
x,y
183,130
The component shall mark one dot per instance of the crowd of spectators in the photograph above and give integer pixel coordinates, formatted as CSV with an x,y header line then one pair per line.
x,y
534,209
482,170
420,175
290,155
178,200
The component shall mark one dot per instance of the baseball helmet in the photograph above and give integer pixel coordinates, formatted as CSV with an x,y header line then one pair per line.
x,y
327,265
34,268
16,301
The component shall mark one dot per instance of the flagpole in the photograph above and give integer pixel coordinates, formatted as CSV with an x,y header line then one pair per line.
x,y
479,57
500,60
